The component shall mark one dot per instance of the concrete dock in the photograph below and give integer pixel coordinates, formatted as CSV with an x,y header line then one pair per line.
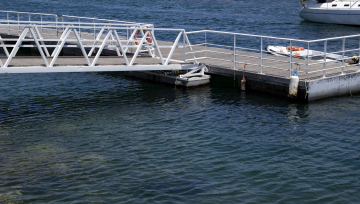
x,y
263,72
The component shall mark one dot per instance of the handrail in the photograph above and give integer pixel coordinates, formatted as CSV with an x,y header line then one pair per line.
x,y
67,16
19,12
314,5
99,19
205,49
104,40
62,24
211,51
243,34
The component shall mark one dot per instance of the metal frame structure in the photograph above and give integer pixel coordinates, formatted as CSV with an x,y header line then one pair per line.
x,y
258,53
92,36
110,36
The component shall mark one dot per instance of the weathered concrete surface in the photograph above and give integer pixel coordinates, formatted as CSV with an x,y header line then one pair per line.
x,y
261,82
334,86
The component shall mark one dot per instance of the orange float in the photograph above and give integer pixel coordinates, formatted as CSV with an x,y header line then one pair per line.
x,y
148,37
295,48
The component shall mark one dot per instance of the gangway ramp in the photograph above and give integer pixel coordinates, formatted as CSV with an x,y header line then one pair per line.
x,y
132,46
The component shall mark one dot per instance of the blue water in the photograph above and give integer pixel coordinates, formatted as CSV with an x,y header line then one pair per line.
x,y
107,138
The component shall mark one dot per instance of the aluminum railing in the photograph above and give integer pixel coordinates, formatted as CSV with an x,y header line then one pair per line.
x,y
237,49
140,40
41,18
226,49
351,4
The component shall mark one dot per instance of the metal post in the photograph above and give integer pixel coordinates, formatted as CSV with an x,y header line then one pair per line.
x,y
18,23
79,28
57,32
29,17
307,61
184,45
324,65
262,61
41,19
234,51
8,23
343,54
290,58
359,55
205,47
127,32
94,30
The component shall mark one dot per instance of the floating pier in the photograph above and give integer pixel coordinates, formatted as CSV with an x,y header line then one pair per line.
x,y
79,44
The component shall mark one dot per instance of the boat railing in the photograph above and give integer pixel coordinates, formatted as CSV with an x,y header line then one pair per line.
x,y
351,4
234,50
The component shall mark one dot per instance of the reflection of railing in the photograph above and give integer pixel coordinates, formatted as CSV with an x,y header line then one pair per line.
x,y
239,49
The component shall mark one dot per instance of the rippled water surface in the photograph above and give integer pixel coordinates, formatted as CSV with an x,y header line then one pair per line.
x,y
107,138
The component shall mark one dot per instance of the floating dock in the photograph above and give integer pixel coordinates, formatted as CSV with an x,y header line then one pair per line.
x,y
182,58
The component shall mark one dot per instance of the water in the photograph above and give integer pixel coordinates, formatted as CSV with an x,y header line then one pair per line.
x,y
106,138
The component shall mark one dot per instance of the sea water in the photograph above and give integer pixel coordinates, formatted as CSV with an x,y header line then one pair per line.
x,y
106,138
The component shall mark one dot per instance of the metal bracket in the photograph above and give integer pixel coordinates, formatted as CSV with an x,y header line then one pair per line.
x,y
196,72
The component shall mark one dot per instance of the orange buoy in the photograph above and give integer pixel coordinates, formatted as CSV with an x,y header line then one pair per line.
x,y
148,37
295,48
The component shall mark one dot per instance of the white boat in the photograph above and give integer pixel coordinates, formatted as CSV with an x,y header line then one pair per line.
x,y
303,53
345,12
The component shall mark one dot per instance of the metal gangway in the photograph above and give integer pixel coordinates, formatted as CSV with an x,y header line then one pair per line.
x,y
109,45
97,45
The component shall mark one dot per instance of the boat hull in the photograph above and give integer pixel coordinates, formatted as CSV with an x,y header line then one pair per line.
x,y
335,16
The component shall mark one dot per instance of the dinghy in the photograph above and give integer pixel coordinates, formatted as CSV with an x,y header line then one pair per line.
x,y
303,53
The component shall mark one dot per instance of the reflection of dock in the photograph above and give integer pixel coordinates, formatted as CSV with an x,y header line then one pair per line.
x,y
122,46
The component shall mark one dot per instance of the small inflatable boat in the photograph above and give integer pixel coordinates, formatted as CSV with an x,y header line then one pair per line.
x,y
301,52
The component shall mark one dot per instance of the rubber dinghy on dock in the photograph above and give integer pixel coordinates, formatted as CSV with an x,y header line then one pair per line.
x,y
301,52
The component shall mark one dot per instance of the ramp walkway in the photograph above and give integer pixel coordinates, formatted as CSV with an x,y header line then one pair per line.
x,y
96,46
